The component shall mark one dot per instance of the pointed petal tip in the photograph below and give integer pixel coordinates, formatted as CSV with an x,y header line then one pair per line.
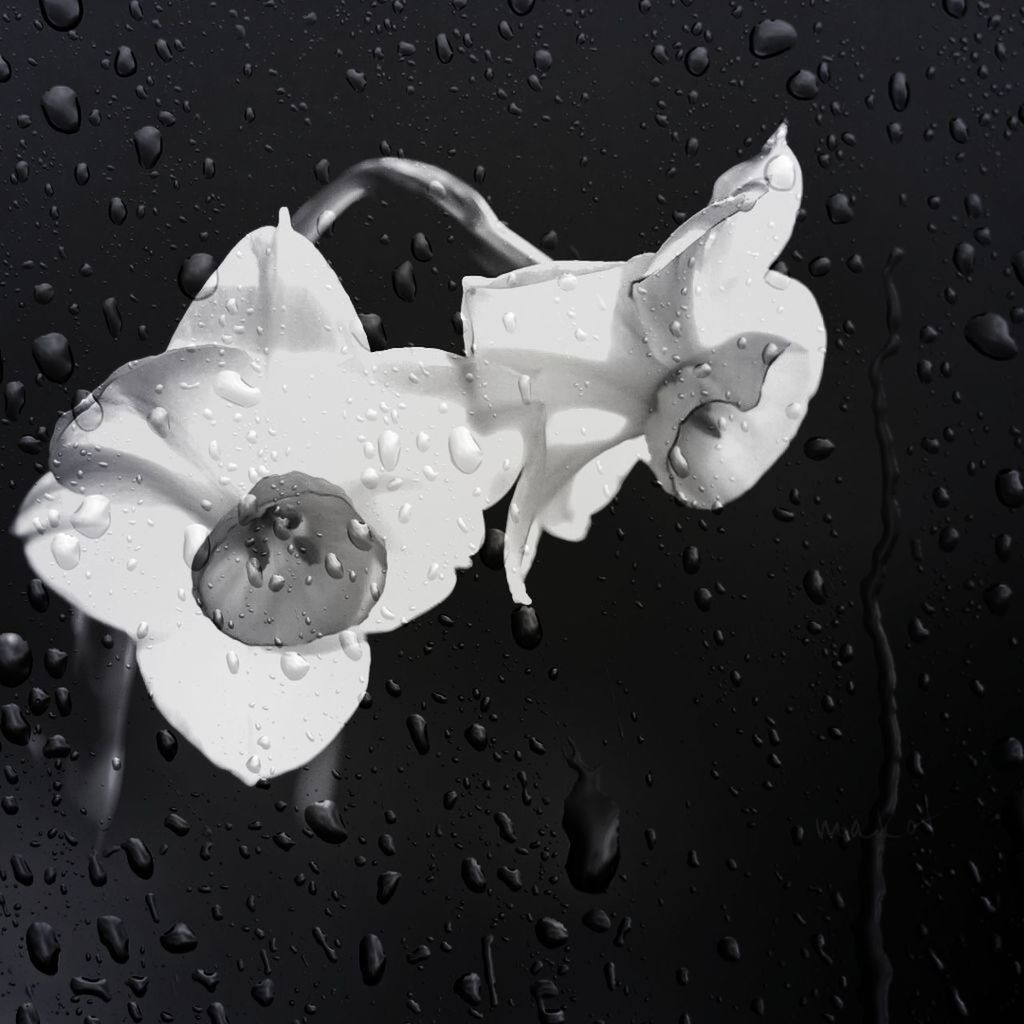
x,y
780,136
284,219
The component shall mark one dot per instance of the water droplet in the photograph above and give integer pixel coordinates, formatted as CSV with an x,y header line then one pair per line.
x,y
229,385
372,959
803,85
149,146
465,453
677,462
254,764
92,519
125,64
781,172
43,947
509,322
389,447
771,37
294,665
63,15
590,819
324,820
67,551
198,277
52,353
61,109
160,420
989,334
525,388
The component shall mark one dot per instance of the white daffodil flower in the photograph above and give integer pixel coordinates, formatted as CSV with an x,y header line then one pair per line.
x,y
698,359
254,502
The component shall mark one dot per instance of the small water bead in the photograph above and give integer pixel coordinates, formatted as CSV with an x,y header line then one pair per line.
x,y
509,322
228,384
370,478
794,410
525,388
92,519
389,448
422,441
567,282
66,550
233,663
466,454
254,764
294,665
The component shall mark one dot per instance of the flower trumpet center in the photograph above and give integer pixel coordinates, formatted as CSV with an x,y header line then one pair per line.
x,y
292,562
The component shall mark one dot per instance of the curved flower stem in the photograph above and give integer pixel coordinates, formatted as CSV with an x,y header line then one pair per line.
x,y
500,248
110,679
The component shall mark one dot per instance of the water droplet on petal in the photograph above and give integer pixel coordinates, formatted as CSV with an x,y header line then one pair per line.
x,y
389,448
781,172
464,450
509,320
422,440
232,660
795,410
294,665
677,462
254,764
160,420
93,516
333,566
66,550
525,388
229,385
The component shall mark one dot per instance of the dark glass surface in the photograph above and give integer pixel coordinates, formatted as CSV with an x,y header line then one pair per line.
x,y
735,707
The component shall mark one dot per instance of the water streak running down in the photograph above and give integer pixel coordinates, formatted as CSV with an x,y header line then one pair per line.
x,y
110,676
499,249
875,963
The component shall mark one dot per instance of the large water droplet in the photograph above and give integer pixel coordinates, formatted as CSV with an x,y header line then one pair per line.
x,y
389,447
229,385
465,453
67,551
92,519
294,665
61,109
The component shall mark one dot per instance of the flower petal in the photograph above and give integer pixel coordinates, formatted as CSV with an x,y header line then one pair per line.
x,y
274,292
152,428
255,711
569,513
561,312
129,575
711,440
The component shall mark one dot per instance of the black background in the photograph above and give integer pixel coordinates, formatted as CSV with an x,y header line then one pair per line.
x,y
740,736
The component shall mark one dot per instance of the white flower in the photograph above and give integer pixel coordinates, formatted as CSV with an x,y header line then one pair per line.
x,y
252,503
698,359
